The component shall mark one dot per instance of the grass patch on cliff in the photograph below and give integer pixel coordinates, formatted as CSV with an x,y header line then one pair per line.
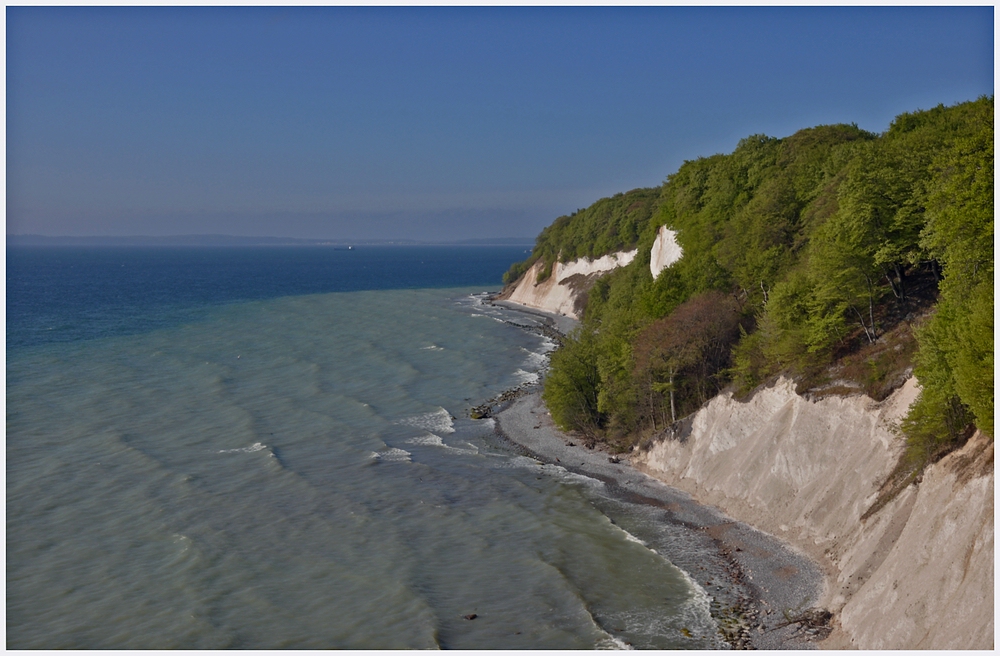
x,y
876,370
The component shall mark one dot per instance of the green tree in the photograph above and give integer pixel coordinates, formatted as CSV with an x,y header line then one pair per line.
x,y
844,272
684,352
955,361
572,384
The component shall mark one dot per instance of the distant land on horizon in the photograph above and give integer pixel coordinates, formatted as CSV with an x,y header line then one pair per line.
x,y
233,240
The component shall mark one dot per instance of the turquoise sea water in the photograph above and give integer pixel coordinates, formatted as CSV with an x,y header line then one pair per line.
x,y
289,464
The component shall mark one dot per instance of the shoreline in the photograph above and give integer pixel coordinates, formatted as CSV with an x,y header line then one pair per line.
x,y
560,323
762,577
768,581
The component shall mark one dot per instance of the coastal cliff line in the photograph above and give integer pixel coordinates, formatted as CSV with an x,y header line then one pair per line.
x,y
564,292
914,570
841,281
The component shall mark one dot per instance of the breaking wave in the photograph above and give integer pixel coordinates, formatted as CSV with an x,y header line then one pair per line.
x,y
256,446
439,421
391,455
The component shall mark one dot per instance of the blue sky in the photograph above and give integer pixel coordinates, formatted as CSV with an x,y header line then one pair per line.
x,y
431,123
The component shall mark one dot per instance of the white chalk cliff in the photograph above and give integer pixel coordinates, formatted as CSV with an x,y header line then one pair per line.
x,y
562,292
916,574
665,251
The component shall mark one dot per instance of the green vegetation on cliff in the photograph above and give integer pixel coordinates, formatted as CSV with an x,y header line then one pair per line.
x,y
834,255
609,225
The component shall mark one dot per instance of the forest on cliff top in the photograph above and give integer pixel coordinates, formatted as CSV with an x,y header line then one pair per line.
x,y
842,258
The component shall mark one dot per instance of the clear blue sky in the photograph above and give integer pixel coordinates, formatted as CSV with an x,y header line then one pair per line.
x,y
431,123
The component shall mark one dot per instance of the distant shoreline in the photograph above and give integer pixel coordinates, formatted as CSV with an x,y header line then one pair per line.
x,y
232,241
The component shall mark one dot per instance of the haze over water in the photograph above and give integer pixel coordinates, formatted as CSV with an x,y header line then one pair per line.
x,y
270,448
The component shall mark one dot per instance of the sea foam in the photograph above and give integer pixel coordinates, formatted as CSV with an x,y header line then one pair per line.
x,y
256,446
391,455
439,421
426,440
525,377
435,440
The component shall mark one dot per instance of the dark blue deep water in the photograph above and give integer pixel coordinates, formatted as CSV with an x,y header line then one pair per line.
x,y
65,294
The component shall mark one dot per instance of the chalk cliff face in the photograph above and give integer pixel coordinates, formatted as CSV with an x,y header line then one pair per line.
x,y
564,291
918,573
665,251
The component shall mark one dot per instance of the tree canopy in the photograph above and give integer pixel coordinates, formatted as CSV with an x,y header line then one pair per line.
x,y
797,253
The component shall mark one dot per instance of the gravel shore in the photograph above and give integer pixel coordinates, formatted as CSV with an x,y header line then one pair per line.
x,y
754,580
559,322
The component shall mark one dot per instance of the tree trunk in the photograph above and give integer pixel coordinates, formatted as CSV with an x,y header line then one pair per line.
x,y
871,308
898,293
652,408
673,408
861,320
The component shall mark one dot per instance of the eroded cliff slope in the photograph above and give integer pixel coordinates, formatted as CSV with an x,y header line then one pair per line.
x,y
564,291
918,573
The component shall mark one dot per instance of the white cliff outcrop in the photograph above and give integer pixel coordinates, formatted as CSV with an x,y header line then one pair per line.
x,y
563,291
918,573
665,251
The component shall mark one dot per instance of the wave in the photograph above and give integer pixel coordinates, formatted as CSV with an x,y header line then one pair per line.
x,y
535,359
391,455
256,446
524,377
632,538
439,421
609,642
427,440
435,440
694,613
698,606
519,462
548,345
487,316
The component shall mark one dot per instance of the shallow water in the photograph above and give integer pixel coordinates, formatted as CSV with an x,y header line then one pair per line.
x,y
300,471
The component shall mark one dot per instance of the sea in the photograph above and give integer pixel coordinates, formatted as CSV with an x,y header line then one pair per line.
x,y
271,448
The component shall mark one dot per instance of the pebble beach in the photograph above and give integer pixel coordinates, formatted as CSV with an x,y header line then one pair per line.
x,y
755,582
